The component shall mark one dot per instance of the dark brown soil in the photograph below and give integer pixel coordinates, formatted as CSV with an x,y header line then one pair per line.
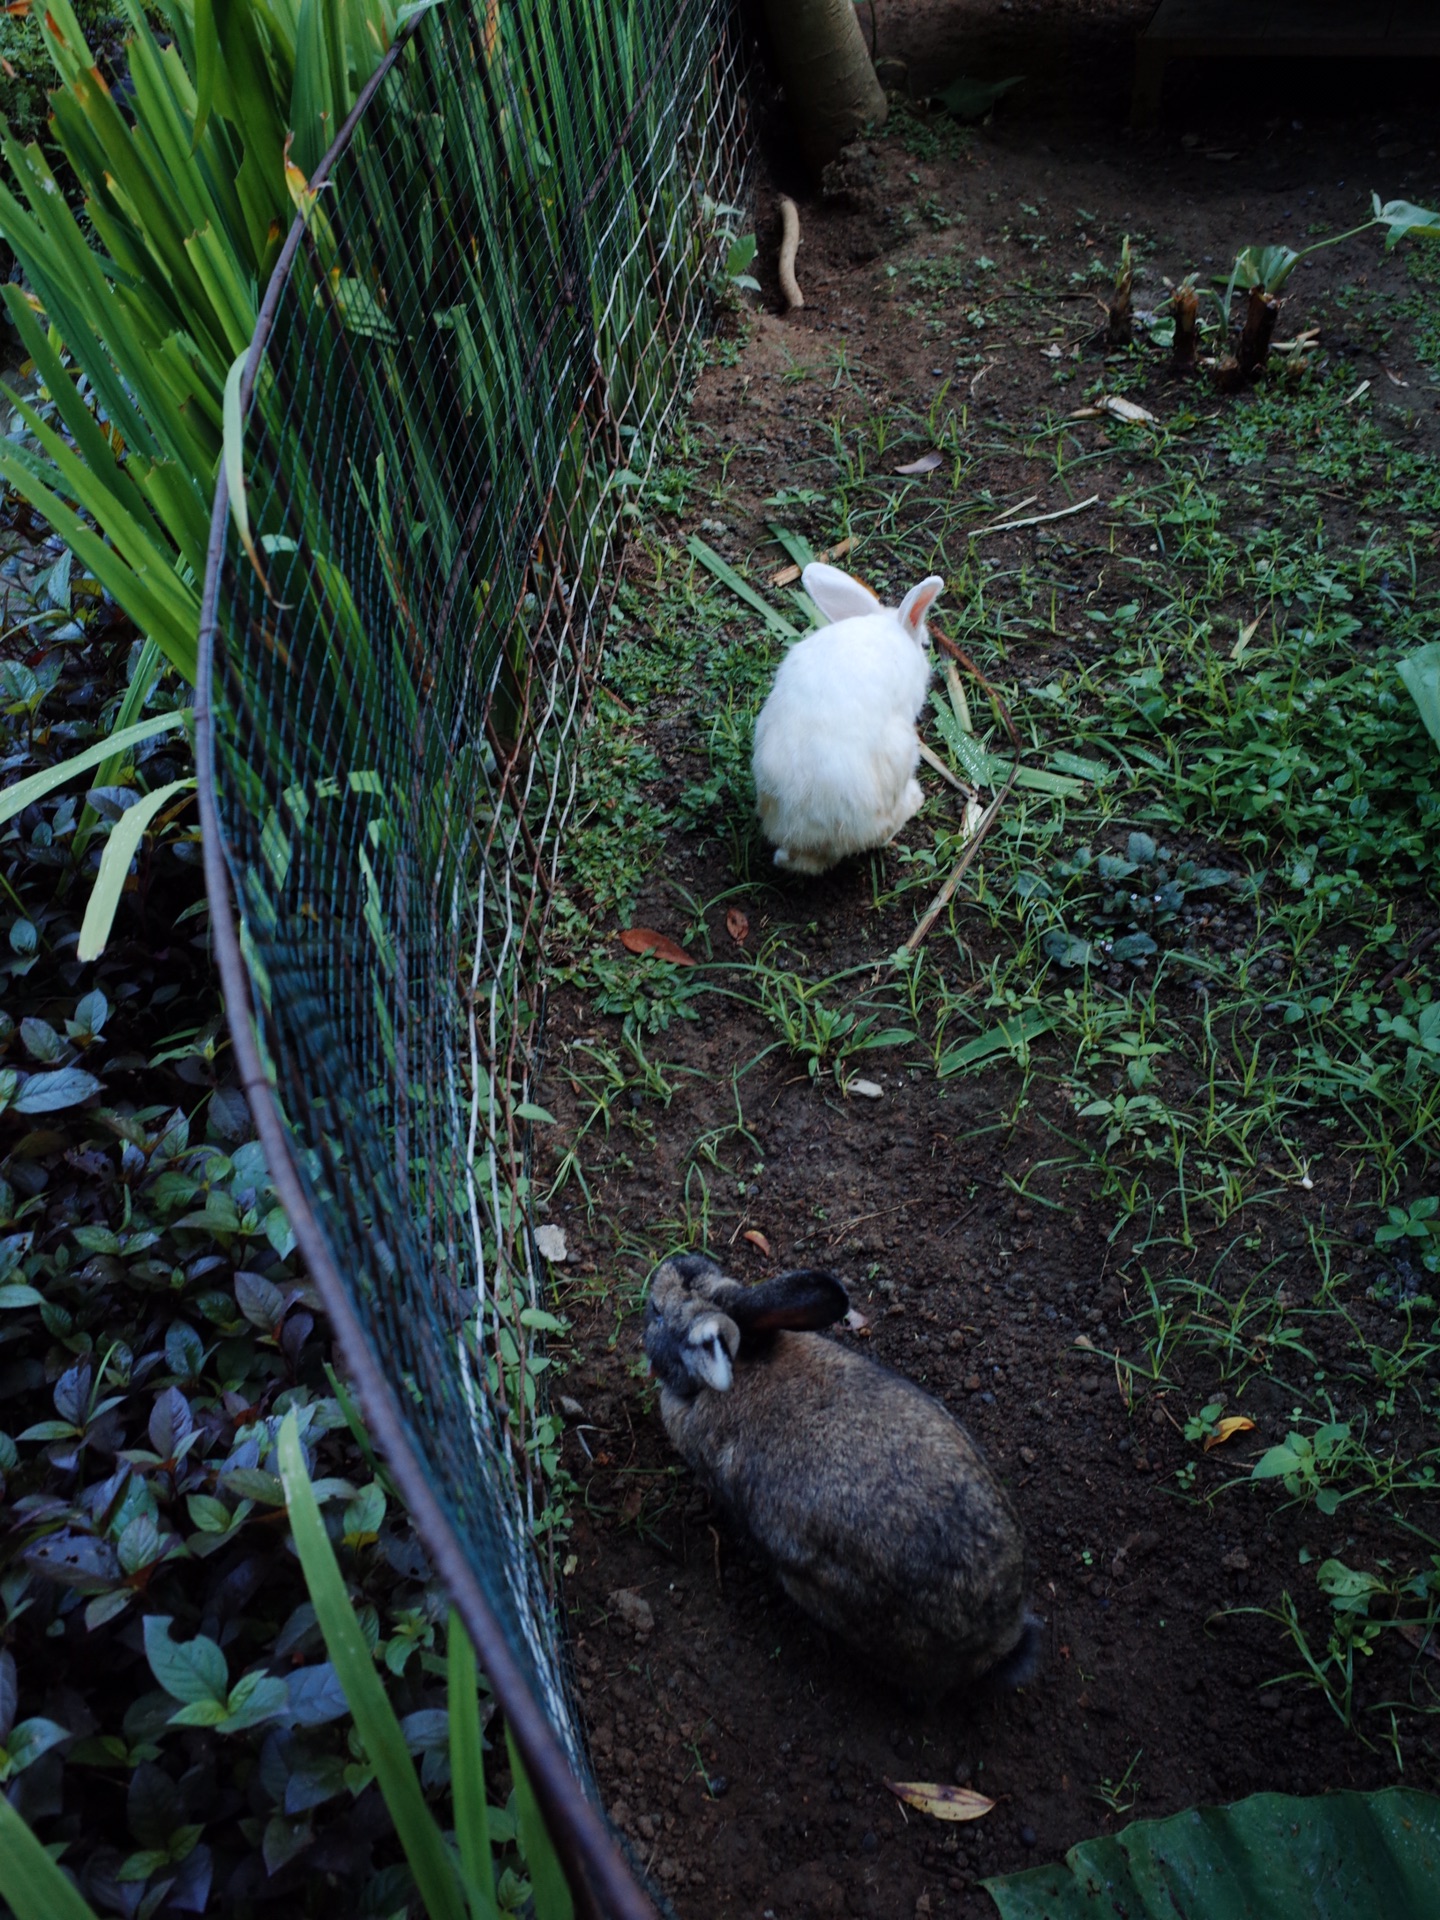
x,y
987,1299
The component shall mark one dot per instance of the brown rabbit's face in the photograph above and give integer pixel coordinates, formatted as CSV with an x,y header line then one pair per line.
x,y
698,1318
689,1341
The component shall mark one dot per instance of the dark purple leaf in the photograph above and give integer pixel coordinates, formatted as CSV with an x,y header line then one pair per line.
x,y
152,1805
184,1351
316,1696
314,1779
294,1334
75,1560
142,1544
10,1694
72,1393
427,1728
262,1304
170,1422
284,1838
106,1606
191,1890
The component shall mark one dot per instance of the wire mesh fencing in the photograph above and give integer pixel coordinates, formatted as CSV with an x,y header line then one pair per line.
x,y
463,367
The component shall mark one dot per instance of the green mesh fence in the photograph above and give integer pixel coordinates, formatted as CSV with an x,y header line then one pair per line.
x,y
461,373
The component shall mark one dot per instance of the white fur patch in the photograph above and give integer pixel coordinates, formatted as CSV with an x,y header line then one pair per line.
x,y
707,1357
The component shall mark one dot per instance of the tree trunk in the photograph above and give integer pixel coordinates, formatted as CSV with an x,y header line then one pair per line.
x,y
830,85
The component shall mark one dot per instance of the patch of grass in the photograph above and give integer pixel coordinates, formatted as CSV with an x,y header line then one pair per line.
x,y
1193,964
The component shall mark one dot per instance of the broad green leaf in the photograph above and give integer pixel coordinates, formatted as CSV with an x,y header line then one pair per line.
x,y
375,1721
1273,1463
14,1293
1336,1856
52,1092
968,99
1403,219
1420,672
191,1670
1006,1037
256,1697
1265,267
120,850
1068,949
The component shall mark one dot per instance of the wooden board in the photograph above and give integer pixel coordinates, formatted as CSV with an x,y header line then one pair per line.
x,y
1278,29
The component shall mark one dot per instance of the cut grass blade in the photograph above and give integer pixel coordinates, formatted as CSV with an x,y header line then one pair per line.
x,y
120,850
467,1773
375,1720
552,1896
1005,1037
30,1882
35,786
742,589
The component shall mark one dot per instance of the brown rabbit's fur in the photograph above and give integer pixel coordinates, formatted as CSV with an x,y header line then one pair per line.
x,y
879,1512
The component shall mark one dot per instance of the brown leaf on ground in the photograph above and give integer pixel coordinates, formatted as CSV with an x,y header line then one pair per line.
x,y
941,1801
737,926
758,1241
647,940
927,463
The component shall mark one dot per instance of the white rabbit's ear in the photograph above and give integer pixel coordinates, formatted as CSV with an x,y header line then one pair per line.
x,y
710,1348
917,603
836,595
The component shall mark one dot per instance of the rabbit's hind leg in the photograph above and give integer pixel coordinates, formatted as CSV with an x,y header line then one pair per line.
x,y
908,805
802,860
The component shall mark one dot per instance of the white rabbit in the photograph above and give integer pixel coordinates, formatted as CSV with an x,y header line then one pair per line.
x,y
835,744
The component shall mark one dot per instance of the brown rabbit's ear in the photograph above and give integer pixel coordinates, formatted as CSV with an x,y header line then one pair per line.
x,y
801,1301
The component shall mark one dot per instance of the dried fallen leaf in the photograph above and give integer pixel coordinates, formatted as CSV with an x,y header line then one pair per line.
x,y
1127,410
1118,409
1084,1340
647,940
1419,1636
927,463
1247,634
944,1803
787,576
1394,378
758,1240
737,926
1227,1428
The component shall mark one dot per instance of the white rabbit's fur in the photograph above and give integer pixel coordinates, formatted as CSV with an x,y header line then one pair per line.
x,y
835,744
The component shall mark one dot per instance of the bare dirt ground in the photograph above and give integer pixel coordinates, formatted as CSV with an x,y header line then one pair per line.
x,y
743,1752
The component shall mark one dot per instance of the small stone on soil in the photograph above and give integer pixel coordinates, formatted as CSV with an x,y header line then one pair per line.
x,y
633,1610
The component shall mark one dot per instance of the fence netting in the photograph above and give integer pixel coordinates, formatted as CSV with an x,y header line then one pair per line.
x,y
459,380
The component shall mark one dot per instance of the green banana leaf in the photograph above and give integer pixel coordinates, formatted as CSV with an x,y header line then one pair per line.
x,y
1420,672
1275,1856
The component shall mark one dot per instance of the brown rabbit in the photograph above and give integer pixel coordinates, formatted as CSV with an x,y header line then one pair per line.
x,y
877,1508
